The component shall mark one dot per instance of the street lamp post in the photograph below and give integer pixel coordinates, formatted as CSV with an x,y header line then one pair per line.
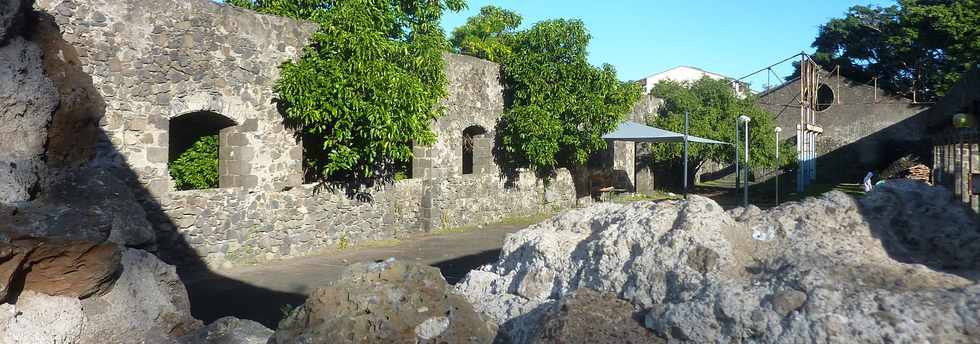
x,y
685,154
738,173
745,193
778,130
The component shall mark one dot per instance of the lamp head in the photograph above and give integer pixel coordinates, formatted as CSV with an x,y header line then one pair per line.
x,y
744,118
962,120
779,130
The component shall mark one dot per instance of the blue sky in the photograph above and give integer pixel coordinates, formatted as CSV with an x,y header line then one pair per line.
x,y
729,37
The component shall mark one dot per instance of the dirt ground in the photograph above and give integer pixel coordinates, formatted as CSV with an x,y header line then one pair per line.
x,y
263,292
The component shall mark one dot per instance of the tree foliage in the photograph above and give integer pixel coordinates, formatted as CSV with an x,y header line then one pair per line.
x,y
713,108
487,35
561,105
368,84
917,45
197,167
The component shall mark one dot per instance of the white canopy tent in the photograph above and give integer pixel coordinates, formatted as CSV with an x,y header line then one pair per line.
x,y
636,132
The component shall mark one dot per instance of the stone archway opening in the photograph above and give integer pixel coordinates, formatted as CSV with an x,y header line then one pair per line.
x,y
198,143
476,149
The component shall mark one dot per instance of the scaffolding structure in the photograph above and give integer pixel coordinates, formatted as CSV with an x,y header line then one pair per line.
x,y
807,130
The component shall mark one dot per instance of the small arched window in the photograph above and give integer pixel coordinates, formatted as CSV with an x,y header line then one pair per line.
x,y
474,142
194,149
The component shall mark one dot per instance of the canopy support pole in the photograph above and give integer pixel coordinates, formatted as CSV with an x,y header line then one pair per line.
x,y
685,154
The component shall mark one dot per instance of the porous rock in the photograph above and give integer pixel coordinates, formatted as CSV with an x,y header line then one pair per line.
x,y
27,100
385,302
828,269
88,204
229,330
586,316
147,304
12,14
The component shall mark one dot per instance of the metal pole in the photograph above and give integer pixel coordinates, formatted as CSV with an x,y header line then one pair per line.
x,y
778,129
737,171
745,194
685,154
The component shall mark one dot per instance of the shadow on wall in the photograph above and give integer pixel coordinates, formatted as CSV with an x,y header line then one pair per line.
x,y
75,139
874,152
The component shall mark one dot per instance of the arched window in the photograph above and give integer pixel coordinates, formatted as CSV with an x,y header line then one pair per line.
x,y
475,148
195,149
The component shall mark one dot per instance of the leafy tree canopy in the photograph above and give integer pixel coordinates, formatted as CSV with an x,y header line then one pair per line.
x,y
487,35
561,105
920,45
368,84
197,167
713,108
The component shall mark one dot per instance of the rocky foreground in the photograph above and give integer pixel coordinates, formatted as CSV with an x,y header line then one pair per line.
x,y
899,265
896,266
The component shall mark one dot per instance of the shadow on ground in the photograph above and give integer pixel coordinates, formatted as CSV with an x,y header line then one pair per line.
x,y
455,269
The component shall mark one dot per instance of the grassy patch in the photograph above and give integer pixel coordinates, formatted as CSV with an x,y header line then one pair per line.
x,y
509,221
638,197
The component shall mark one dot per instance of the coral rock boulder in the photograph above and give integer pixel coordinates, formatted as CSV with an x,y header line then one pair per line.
x,y
385,302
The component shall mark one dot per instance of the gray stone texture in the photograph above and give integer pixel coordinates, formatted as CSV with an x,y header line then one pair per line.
x,y
88,204
147,304
899,265
27,100
123,71
142,68
229,330
385,302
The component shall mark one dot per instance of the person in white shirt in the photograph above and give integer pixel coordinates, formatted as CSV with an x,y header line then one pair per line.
x,y
867,182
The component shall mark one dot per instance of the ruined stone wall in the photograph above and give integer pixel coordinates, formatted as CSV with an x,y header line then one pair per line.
x,y
125,70
228,227
864,127
476,98
234,226
464,200
131,66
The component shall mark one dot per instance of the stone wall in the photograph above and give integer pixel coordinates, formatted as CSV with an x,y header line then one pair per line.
x,y
140,64
464,200
132,74
233,226
476,98
864,127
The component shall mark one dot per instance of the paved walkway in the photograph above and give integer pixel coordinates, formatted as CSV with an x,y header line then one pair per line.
x,y
261,292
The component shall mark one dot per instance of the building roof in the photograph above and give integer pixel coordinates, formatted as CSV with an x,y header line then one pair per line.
x,y
689,67
636,132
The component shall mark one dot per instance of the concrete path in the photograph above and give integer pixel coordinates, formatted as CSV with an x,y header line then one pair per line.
x,y
261,292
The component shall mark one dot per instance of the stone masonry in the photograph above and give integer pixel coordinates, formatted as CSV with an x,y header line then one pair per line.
x,y
129,71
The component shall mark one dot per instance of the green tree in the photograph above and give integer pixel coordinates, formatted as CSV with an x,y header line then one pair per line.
x,y
487,35
918,45
712,108
368,84
561,105
197,167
